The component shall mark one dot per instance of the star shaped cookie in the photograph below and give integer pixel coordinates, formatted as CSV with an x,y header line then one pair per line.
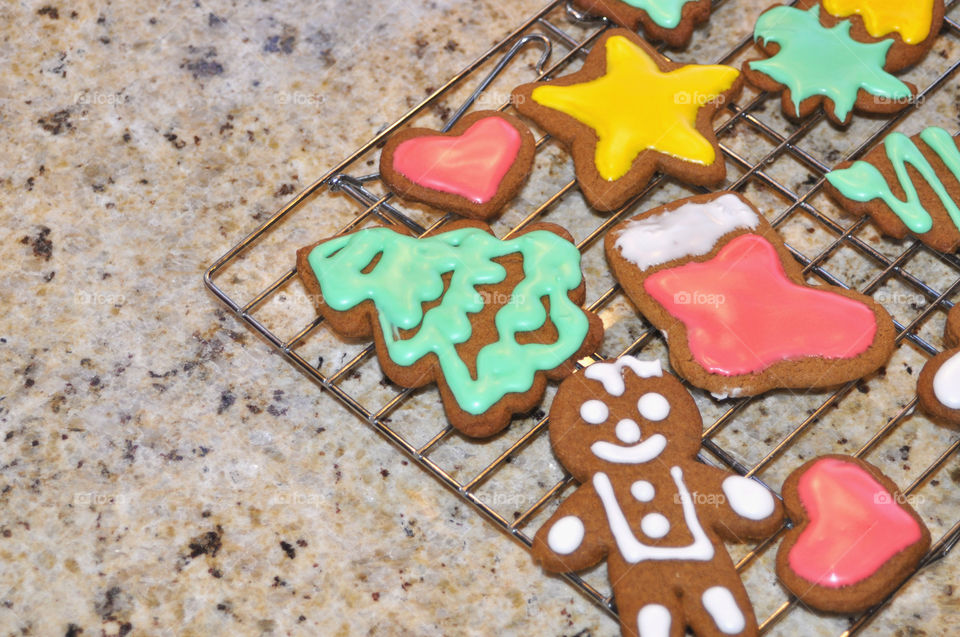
x,y
630,112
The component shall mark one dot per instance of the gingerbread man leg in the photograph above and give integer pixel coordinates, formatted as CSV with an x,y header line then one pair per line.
x,y
719,604
647,607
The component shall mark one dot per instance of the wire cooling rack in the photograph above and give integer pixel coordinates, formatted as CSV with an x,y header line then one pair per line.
x,y
762,152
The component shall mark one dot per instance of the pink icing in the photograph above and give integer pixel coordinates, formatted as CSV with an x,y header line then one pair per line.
x,y
471,165
743,314
855,525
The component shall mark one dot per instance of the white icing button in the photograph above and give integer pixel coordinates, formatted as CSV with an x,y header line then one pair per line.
x,y
653,620
748,498
655,525
642,490
566,535
628,431
594,412
722,606
653,406
946,383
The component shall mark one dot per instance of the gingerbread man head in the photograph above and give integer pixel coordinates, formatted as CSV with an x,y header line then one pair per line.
x,y
627,412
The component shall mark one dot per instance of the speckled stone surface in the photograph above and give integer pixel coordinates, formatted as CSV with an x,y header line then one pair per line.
x,y
163,471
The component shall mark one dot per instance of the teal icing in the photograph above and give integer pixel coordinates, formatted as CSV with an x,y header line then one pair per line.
x,y
863,182
665,13
410,273
814,60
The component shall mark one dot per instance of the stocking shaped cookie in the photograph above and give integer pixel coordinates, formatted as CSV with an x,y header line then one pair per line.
x,y
938,387
854,536
630,434
488,320
740,319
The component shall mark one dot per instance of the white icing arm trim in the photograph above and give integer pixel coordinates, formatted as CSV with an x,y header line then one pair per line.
x,y
748,498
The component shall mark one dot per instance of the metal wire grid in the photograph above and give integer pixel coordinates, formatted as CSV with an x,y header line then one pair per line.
x,y
542,29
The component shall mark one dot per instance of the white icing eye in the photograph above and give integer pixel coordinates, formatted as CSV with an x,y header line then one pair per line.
x,y
566,535
628,432
642,490
653,406
655,525
594,412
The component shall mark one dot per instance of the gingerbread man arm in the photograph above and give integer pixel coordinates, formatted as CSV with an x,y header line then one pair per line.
x,y
576,536
743,509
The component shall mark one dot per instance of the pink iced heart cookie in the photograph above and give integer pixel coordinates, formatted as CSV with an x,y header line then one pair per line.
x,y
473,170
855,536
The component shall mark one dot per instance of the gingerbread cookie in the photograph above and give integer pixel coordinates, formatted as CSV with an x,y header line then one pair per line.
x,y
813,65
630,112
630,434
912,26
938,387
474,170
854,536
670,21
717,279
908,185
488,320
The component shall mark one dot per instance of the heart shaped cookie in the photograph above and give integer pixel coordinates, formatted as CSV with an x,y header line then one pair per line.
x,y
473,170
855,536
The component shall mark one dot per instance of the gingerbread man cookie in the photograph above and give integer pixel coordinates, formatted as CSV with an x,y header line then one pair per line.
x,y
938,387
630,434
488,320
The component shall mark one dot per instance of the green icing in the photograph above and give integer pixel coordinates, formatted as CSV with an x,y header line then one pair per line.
x,y
410,273
665,13
863,182
814,60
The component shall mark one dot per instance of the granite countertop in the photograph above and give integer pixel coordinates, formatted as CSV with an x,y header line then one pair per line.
x,y
162,470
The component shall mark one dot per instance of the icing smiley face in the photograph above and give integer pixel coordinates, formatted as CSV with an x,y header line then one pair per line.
x,y
626,419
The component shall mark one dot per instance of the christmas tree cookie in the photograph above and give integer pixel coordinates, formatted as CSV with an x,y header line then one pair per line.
x,y
488,320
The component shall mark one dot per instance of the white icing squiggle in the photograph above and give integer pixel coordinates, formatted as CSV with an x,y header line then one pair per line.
x,y
687,231
748,498
722,606
633,550
637,454
946,383
611,374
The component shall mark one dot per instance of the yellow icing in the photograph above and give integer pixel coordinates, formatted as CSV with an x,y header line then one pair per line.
x,y
635,106
910,18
